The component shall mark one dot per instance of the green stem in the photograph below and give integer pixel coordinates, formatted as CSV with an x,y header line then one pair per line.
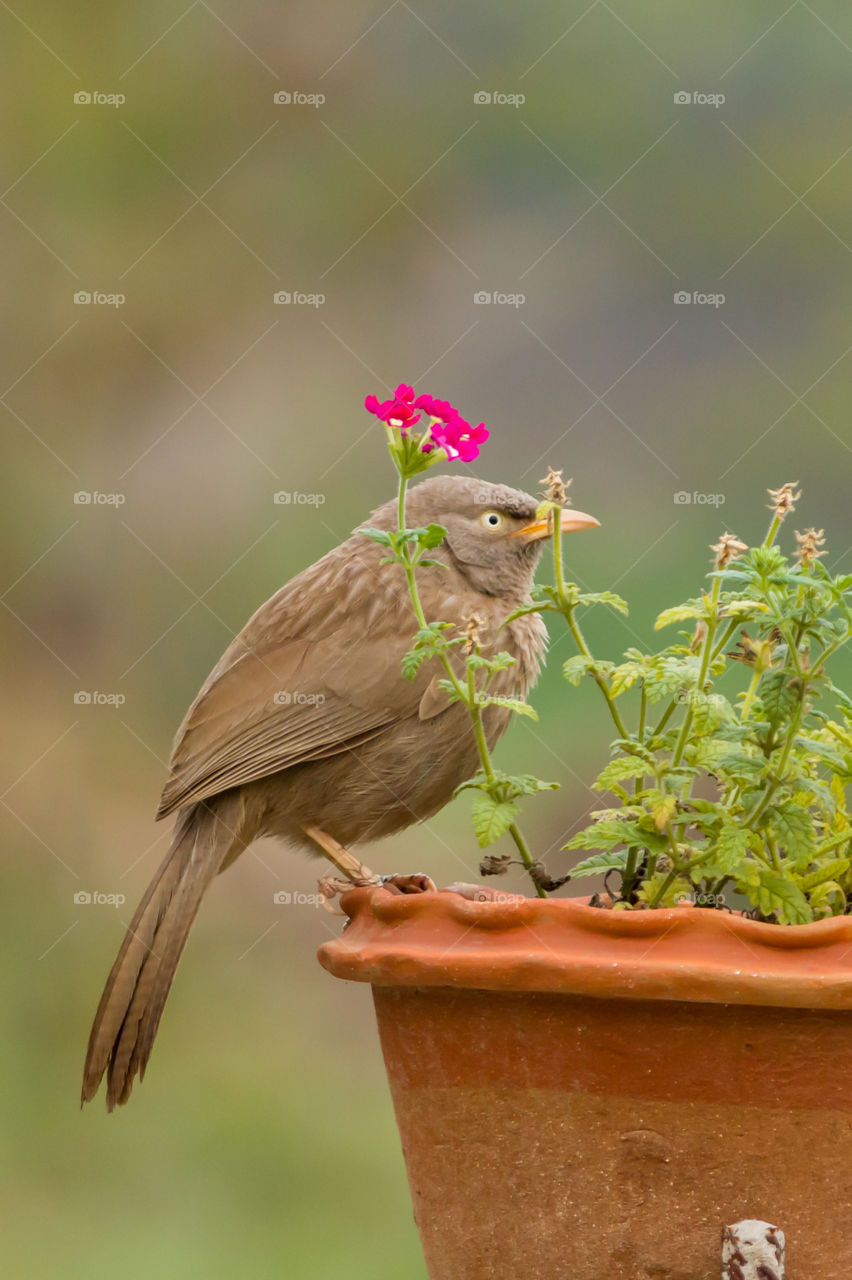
x,y
726,638
580,642
665,886
706,652
568,610
843,838
750,819
771,532
526,857
478,728
629,877
665,717
750,692
468,694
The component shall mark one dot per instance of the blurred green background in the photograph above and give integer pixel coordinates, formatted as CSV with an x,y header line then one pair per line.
x,y
262,1142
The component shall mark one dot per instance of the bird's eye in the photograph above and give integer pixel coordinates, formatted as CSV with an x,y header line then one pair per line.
x,y
491,519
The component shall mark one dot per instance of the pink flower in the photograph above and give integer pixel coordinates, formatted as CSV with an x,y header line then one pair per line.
x,y
459,439
399,412
437,408
448,429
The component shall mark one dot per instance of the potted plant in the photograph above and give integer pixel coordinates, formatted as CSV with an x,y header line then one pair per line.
x,y
593,1087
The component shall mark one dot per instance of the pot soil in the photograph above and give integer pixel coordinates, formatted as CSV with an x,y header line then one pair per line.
x,y
585,1094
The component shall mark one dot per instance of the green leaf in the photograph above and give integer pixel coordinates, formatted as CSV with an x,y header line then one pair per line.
x,y
793,828
709,710
672,674
412,661
624,677
525,784
499,662
378,535
517,705
432,536
492,817
733,608
510,785
776,893
738,766
612,831
828,871
603,597
662,810
778,694
575,668
679,613
826,750
730,847
619,771
599,863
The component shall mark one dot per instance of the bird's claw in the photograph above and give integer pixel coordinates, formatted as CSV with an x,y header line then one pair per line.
x,y
417,883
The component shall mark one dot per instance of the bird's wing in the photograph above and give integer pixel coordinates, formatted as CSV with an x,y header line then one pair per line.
x,y
307,677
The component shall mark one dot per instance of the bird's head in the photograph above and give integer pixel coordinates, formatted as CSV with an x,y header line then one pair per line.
x,y
494,535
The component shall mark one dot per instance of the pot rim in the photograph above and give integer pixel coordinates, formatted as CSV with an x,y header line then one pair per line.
x,y
682,953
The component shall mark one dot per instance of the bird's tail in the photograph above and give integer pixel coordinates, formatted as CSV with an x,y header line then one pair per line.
x,y
206,836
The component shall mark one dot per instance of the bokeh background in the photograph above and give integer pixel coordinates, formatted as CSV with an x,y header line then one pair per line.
x,y
382,198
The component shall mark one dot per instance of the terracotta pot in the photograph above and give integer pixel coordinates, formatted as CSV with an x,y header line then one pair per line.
x,y
592,1095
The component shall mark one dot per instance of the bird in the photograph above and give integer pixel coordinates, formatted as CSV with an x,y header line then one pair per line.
x,y
307,728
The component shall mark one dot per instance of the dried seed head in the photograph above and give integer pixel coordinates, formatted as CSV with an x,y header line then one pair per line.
x,y
556,488
698,636
543,880
727,549
473,625
494,864
809,546
746,650
783,499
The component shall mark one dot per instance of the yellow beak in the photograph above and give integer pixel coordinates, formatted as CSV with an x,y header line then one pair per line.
x,y
571,522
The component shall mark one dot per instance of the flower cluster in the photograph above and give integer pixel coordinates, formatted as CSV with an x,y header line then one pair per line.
x,y
447,429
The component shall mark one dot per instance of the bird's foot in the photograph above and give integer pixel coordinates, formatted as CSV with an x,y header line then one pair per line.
x,y
328,888
417,883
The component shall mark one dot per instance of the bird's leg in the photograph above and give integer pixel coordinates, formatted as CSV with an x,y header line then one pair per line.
x,y
349,866
357,874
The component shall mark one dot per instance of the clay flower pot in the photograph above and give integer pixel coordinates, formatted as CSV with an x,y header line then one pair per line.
x,y
592,1095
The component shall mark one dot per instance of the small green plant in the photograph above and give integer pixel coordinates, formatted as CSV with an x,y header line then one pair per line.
x,y
719,785
716,789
